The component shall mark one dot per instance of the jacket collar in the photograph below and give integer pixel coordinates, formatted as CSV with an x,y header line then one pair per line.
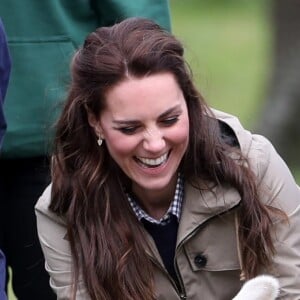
x,y
203,203
199,205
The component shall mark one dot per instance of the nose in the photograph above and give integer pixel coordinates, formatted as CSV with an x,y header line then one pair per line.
x,y
154,140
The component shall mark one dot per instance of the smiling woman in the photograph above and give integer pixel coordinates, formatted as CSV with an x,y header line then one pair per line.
x,y
155,195
147,138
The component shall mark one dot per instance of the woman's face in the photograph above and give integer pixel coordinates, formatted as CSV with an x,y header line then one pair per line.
x,y
146,127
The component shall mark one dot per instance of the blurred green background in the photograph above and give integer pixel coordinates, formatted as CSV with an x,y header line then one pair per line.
x,y
228,46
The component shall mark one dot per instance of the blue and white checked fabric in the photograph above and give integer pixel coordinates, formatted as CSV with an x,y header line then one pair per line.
x,y
174,209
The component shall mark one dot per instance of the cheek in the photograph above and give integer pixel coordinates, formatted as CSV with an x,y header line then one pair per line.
x,y
181,134
120,145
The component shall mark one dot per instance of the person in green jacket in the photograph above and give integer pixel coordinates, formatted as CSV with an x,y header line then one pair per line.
x,y
42,36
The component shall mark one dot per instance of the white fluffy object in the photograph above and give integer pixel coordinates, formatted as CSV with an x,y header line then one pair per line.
x,y
263,287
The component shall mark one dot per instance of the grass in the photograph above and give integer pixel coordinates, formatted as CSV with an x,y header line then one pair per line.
x,y
11,295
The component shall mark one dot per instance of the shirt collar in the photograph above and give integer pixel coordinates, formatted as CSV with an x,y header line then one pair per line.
x,y
174,209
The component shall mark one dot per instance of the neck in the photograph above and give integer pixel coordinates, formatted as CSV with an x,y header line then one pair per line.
x,y
156,202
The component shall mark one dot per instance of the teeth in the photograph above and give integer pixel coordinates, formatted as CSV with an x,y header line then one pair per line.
x,y
154,162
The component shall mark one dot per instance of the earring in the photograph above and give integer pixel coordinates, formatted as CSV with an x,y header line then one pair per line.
x,y
99,141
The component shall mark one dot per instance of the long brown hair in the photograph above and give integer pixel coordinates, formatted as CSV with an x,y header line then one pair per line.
x,y
107,241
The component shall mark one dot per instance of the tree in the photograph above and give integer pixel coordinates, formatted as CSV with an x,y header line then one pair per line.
x,y
280,119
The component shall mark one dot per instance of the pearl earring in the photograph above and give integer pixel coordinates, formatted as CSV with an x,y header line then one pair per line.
x,y
99,141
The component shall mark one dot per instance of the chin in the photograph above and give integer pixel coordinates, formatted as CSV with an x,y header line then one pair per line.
x,y
155,184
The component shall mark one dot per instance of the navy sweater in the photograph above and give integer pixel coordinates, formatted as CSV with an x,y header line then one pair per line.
x,y
165,237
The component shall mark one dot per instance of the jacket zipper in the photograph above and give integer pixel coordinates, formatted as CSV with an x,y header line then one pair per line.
x,y
181,293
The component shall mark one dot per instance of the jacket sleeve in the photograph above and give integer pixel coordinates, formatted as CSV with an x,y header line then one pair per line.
x,y
279,189
111,11
58,260
5,64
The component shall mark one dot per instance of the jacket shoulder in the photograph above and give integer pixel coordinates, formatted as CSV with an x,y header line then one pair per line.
x,y
277,185
232,125
253,146
42,207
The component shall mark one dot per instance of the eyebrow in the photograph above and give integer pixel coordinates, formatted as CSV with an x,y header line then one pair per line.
x,y
164,114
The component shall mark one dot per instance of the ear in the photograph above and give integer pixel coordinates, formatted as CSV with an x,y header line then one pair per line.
x,y
95,124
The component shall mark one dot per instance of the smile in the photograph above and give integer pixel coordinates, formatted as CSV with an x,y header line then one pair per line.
x,y
153,162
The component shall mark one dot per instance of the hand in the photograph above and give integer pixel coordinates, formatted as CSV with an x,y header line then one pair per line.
x,y
263,287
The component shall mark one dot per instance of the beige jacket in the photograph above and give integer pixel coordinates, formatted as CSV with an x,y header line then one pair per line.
x,y
207,253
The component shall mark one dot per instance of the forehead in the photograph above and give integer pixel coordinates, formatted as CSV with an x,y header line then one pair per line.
x,y
143,96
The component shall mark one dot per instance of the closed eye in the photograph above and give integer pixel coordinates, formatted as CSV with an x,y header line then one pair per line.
x,y
170,121
128,130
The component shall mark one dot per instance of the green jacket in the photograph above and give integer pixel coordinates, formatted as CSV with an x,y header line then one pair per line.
x,y
42,36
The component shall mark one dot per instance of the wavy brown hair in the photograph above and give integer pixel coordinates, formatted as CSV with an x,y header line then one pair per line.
x,y
107,242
